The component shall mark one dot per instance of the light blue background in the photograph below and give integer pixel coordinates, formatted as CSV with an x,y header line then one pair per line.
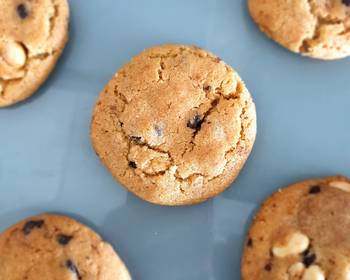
x,y
47,163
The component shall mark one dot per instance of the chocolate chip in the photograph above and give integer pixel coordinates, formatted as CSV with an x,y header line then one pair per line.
x,y
306,252
309,259
132,164
73,268
29,226
136,139
195,122
268,267
250,242
315,189
64,239
22,11
207,88
346,2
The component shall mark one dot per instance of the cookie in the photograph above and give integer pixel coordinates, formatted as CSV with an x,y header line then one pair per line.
x,y
301,232
57,247
32,36
175,125
315,28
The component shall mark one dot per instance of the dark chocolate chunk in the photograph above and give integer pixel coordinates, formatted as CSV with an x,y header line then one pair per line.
x,y
315,189
268,267
29,226
195,122
73,268
306,252
346,2
22,11
309,259
64,239
136,139
250,242
132,164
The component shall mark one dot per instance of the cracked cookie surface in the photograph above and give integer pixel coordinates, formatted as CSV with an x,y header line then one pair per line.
x,y
301,232
315,28
175,125
33,35
57,247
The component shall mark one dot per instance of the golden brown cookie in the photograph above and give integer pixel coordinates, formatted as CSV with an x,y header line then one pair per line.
x,y
301,232
175,125
33,34
315,28
57,247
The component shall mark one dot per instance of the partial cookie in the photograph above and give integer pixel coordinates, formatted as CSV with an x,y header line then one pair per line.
x,y
32,37
315,28
175,125
301,232
57,247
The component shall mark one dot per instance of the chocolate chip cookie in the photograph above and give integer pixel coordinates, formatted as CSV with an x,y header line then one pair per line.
x,y
301,232
32,37
175,125
57,247
315,28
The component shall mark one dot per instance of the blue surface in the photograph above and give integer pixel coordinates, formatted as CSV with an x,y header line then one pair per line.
x,y
47,163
